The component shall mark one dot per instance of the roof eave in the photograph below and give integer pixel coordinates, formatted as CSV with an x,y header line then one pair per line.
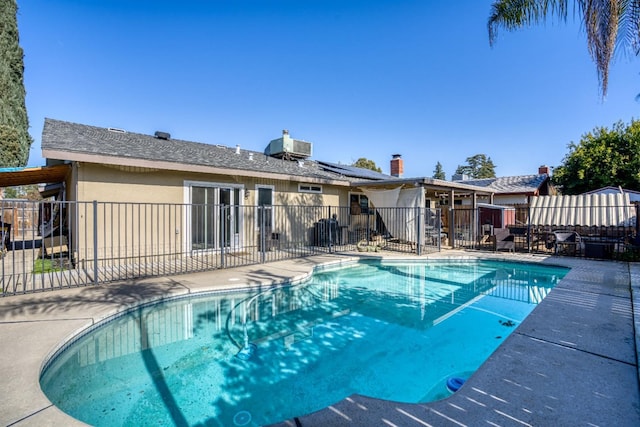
x,y
437,184
181,167
518,193
34,175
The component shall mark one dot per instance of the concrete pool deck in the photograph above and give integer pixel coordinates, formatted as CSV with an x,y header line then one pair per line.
x,y
573,361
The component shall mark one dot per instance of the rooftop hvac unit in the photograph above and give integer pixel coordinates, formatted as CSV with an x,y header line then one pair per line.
x,y
287,147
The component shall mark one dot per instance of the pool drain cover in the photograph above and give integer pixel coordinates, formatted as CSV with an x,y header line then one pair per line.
x,y
242,418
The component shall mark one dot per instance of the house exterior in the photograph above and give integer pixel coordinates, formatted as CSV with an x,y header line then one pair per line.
x,y
117,166
108,163
130,205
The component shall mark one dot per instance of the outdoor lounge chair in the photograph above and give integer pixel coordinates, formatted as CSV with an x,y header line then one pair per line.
x,y
567,242
503,239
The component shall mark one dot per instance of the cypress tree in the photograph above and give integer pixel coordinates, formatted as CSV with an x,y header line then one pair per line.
x,y
15,140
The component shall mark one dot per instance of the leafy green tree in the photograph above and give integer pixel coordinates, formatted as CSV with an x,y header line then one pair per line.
x,y
366,164
438,172
11,193
604,157
29,192
608,24
10,147
15,141
478,166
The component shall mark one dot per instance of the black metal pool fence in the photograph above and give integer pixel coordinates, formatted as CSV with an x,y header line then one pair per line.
x,y
52,244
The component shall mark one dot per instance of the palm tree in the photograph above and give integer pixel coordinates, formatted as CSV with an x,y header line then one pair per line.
x,y
609,24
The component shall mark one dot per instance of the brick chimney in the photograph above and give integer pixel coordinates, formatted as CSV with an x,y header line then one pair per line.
x,y
544,169
397,165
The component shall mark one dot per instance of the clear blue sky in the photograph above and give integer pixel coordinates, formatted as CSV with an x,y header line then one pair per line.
x,y
357,78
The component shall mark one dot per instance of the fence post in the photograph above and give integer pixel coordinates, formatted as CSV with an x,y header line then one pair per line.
x,y
452,226
637,223
261,233
529,226
222,242
439,228
370,211
95,242
418,231
330,226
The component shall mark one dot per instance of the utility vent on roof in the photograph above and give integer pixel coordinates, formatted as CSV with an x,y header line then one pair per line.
x,y
460,177
288,148
162,135
116,130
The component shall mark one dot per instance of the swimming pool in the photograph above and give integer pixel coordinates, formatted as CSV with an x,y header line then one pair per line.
x,y
393,330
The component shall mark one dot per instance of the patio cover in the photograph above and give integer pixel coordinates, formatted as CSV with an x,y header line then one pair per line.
x,y
11,177
401,223
586,210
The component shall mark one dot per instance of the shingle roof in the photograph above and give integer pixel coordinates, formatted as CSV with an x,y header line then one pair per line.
x,y
510,184
66,137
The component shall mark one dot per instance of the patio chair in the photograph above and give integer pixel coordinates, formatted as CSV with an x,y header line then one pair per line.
x,y
567,242
486,231
503,239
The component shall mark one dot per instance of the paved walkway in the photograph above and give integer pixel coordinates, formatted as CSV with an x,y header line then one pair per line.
x,y
573,361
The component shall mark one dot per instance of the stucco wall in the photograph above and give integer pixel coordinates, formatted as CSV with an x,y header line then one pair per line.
x,y
142,212
104,183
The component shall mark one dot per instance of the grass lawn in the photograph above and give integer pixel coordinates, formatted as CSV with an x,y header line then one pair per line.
x,y
45,266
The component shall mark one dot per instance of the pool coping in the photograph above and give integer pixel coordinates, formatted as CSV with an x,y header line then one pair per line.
x,y
575,372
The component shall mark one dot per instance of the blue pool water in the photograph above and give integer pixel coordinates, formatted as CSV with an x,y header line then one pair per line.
x,y
391,330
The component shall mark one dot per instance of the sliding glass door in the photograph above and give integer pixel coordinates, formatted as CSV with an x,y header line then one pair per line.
x,y
202,218
215,217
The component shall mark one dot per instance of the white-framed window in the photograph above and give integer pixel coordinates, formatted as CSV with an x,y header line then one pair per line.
x,y
358,203
310,188
264,201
